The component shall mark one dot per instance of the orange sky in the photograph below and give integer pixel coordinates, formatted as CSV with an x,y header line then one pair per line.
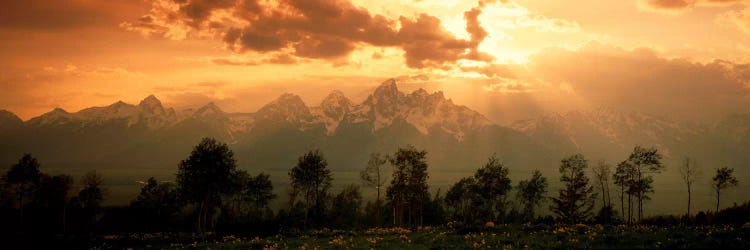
x,y
507,59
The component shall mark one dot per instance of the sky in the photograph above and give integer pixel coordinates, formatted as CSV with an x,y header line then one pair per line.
x,y
684,59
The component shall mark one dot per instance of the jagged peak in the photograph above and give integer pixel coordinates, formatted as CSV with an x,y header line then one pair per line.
x,y
209,106
335,94
287,99
120,104
388,87
335,97
420,92
58,110
150,101
6,112
439,95
389,83
7,115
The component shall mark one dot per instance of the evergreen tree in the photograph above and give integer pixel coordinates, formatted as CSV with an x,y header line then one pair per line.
x,y
576,198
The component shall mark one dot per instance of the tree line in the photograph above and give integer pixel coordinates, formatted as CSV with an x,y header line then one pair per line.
x,y
210,193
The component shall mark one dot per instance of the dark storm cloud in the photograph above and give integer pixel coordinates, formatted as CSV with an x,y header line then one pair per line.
x,y
321,29
48,15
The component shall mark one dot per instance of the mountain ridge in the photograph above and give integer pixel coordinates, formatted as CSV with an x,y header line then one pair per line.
x,y
423,110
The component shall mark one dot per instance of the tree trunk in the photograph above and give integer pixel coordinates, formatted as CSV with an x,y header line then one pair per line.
x,y
307,208
640,206
689,195
64,216
20,206
604,197
622,200
718,198
393,206
630,209
200,212
609,198
377,205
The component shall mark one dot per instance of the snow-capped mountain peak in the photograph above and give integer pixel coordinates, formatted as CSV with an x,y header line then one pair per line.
x,y
208,110
425,111
336,105
589,130
57,116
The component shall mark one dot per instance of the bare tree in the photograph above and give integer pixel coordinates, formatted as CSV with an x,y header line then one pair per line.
x,y
689,172
373,177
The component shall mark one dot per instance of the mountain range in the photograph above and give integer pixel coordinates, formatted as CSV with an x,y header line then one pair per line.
x,y
151,136
150,139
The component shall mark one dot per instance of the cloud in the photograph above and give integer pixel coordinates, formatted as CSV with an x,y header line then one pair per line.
x,y
278,58
46,15
642,80
512,86
71,70
681,5
312,29
736,18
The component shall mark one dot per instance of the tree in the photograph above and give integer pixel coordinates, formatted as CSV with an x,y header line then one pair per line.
x,y
624,177
23,179
531,193
260,191
459,198
312,179
723,179
689,172
345,206
408,189
54,194
601,173
91,195
156,202
576,198
373,177
645,161
205,176
492,187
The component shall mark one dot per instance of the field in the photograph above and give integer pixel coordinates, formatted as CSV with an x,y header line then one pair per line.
x,y
496,237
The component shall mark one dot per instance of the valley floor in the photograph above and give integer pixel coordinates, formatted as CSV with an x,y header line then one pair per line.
x,y
498,237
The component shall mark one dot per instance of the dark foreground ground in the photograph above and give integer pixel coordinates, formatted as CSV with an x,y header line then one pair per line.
x,y
497,237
